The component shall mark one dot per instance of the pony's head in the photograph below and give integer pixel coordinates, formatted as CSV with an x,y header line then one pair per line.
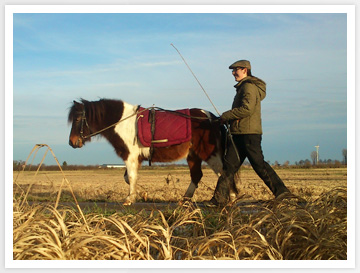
x,y
80,129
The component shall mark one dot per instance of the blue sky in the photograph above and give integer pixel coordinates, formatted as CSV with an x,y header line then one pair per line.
x,y
61,57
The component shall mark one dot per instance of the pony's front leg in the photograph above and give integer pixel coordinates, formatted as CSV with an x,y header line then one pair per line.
x,y
132,166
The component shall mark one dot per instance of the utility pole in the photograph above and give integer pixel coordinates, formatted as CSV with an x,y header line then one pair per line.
x,y
317,153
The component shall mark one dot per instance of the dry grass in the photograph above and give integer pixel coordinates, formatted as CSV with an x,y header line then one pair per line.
x,y
169,185
277,229
273,229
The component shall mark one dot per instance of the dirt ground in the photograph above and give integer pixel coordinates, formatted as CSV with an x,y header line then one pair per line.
x,y
160,184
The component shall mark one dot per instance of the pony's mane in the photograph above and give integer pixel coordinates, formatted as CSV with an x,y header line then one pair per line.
x,y
101,112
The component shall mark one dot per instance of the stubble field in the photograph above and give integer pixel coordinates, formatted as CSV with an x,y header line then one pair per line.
x,y
288,228
162,184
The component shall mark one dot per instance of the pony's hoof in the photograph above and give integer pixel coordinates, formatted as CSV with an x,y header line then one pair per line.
x,y
211,203
127,203
184,200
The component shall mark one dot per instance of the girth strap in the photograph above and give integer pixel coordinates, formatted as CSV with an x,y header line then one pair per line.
x,y
152,122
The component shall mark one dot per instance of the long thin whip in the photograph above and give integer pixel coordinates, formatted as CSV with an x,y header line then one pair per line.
x,y
196,79
226,124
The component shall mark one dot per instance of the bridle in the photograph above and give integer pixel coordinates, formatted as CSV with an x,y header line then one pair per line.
x,y
83,120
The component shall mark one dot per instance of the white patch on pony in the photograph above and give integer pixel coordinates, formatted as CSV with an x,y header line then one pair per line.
x,y
127,130
216,164
191,190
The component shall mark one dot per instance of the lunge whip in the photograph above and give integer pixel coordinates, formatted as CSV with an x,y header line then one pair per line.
x,y
226,124
196,79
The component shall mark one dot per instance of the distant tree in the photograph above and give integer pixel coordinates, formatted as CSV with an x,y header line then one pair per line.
x,y
313,157
18,165
307,163
337,163
64,164
344,153
286,163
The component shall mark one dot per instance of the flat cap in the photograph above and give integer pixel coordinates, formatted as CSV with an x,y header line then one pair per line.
x,y
241,63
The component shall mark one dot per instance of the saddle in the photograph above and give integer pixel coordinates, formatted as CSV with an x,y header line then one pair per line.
x,y
162,128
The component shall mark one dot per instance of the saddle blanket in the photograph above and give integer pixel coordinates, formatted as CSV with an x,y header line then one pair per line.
x,y
169,127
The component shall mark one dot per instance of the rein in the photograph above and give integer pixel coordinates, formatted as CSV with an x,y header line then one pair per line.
x,y
106,128
83,119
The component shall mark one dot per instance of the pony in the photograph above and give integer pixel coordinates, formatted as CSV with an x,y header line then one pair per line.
x,y
116,121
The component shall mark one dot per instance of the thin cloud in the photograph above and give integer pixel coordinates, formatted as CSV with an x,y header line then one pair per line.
x,y
156,64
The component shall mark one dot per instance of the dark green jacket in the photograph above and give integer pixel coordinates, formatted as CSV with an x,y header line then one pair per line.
x,y
245,115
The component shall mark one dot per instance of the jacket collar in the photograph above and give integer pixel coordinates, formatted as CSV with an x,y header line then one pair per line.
x,y
243,80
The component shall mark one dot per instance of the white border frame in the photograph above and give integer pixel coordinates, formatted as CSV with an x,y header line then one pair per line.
x,y
11,9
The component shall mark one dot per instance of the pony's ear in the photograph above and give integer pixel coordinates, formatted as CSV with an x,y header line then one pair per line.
x,y
75,102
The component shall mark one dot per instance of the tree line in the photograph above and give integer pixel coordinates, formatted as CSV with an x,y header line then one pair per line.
x,y
18,165
315,162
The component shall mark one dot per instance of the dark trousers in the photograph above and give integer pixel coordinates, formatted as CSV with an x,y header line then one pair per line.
x,y
248,146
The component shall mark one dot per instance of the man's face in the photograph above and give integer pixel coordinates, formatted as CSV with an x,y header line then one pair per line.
x,y
239,73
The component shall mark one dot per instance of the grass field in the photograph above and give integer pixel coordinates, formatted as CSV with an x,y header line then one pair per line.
x,y
169,185
276,229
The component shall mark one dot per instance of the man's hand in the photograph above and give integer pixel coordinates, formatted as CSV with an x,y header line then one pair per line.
x,y
220,120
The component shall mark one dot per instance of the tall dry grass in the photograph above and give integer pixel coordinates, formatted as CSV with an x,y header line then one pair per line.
x,y
275,229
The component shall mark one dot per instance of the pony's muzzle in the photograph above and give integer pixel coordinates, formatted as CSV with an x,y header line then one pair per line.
x,y
77,144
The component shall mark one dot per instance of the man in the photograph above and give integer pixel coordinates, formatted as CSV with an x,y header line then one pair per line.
x,y
245,127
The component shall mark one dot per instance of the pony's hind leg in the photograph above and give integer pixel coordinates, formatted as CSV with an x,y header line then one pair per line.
x,y
216,164
196,174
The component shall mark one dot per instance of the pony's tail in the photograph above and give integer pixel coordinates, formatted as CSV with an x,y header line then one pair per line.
x,y
223,132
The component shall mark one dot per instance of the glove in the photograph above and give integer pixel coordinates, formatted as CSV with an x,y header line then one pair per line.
x,y
220,120
223,119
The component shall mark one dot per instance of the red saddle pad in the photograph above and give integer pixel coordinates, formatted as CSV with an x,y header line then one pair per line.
x,y
170,128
